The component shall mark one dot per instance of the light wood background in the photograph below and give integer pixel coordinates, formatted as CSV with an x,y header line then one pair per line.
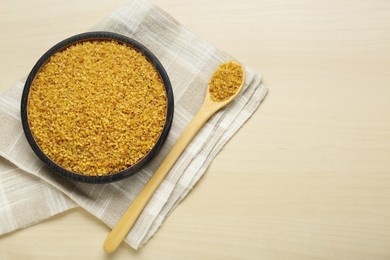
x,y
307,177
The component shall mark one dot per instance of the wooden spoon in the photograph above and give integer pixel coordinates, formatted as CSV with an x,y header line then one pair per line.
x,y
225,84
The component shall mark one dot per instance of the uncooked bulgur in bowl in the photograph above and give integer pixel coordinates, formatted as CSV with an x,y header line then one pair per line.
x,y
97,107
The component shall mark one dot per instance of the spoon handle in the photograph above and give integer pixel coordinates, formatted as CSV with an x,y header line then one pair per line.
x,y
124,225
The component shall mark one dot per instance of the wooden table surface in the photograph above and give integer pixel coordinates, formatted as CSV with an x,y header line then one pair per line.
x,y
307,177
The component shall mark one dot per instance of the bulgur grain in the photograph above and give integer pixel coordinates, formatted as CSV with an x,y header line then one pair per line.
x,y
225,81
97,107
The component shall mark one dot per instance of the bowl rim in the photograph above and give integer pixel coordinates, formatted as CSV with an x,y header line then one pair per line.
x,y
88,36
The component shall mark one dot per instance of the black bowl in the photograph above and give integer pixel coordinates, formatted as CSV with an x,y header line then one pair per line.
x,y
87,37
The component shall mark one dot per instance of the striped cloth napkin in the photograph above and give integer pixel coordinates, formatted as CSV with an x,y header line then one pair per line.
x,y
30,192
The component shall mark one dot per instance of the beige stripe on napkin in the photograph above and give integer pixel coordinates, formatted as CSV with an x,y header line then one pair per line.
x,y
27,185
